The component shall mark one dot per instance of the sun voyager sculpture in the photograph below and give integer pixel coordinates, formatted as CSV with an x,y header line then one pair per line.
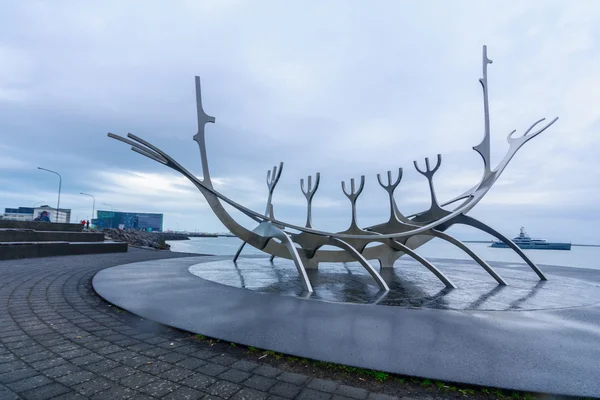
x,y
391,239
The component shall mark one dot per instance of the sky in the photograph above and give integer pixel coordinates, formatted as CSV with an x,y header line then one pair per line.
x,y
344,88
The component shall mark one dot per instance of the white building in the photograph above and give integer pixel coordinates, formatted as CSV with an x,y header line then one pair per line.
x,y
43,213
64,214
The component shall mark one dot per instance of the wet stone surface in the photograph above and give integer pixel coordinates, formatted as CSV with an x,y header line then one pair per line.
x,y
411,284
60,340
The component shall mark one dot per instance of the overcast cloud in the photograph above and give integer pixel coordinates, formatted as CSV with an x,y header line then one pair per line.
x,y
341,87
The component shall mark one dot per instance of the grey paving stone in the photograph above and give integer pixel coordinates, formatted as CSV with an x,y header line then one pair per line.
x,y
245,365
184,393
353,392
191,363
211,369
250,394
323,385
17,375
155,367
204,354
171,357
137,380
49,363
223,389
60,370
86,360
340,397
284,389
381,396
45,392
223,359
11,366
159,388
267,370
176,374
198,381
102,366
28,383
114,392
311,394
92,387
290,377
259,382
75,378
6,394
234,375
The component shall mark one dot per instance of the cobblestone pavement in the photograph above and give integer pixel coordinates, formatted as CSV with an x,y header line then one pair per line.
x,y
59,340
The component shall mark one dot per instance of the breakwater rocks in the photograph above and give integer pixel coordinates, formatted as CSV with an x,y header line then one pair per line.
x,y
154,240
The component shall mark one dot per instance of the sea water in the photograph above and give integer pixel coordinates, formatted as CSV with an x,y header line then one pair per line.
x,y
578,256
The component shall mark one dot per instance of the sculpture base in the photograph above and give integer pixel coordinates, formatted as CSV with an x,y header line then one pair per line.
x,y
552,347
411,285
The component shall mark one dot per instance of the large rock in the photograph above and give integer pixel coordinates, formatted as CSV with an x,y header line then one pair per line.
x,y
155,240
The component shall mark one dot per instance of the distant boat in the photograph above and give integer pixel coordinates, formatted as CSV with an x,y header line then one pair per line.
x,y
524,241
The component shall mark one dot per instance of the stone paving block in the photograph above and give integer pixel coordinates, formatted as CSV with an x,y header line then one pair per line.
x,y
352,392
234,375
93,387
75,378
45,392
137,380
259,382
159,388
6,394
198,381
223,389
266,370
191,363
102,366
86,360
28,383
245,365
250,394
184,393
204,354
176,374
323,385
284,389
223,359
61,370
311,394
49,363
381,396
17,375
11,366
211,369
171,357
291,377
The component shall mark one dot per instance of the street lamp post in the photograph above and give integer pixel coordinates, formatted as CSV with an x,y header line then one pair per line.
x,y
59,185
93,203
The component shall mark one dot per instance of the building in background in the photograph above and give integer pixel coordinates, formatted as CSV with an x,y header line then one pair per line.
x,y
43,213
129,220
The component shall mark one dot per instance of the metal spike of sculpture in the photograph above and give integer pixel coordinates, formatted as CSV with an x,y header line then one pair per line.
x,y
399,235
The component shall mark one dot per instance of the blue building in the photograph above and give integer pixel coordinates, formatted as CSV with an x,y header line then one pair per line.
x,y
129,220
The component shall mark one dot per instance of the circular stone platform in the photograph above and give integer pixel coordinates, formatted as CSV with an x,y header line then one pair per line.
x,y
411,284
550,345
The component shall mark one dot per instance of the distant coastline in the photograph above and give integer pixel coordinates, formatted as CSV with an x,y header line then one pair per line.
x,y
489,241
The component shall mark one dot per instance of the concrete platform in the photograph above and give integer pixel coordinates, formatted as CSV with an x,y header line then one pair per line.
x,y
40,226
16,250
29,235
554,350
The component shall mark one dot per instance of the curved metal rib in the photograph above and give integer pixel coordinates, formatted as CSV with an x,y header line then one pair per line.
x,y
287,241
474,256
424,262
466,220
340,243
237,253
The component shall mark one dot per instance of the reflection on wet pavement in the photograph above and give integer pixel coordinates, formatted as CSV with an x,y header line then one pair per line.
x,y
411,285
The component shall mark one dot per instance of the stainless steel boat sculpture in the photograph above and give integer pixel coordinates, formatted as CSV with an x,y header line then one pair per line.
x,y
398,236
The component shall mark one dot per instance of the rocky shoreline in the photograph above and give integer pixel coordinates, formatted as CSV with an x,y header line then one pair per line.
x,y
152,240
